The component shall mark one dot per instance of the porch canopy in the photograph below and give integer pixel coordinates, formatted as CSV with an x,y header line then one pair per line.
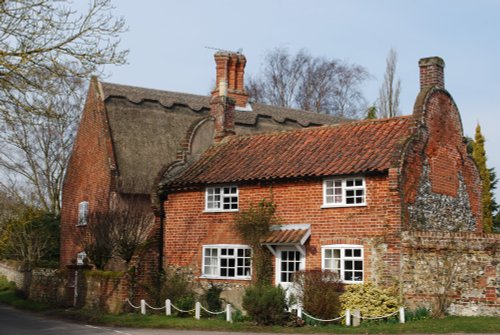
x,y
294,235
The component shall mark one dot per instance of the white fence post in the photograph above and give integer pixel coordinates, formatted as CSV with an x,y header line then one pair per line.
x,y
347,317
401,315
299,312
356,320
168,307
229,316
143,307
197,312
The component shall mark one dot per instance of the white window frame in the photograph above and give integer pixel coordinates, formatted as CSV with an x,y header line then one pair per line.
x,y
83,213
343,191
212,205
343,258
217,259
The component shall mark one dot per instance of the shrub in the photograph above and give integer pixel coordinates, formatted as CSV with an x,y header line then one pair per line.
x,y
212,298
418,314
237,316
185,303
176,286
6,285
31,236
266,304
369,299
319,292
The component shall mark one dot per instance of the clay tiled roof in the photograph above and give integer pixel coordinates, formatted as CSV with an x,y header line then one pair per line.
x,y
348,148
287,234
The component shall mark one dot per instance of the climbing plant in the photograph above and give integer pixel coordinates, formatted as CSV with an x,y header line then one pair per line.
x,y
254,224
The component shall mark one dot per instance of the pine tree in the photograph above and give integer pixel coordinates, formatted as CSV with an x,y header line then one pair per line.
x,y
371,113
479,155
495,207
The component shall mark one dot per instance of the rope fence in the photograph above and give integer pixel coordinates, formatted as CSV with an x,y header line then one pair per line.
x,y
316,319
353,319
168,309
378,317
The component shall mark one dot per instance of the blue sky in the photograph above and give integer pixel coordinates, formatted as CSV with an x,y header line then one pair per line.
x,y
167,41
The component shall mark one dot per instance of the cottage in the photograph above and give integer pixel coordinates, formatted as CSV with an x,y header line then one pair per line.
x,y
392,201
129,135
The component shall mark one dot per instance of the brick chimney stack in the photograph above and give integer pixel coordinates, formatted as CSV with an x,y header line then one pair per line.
x,y
222,110
230,67
431,72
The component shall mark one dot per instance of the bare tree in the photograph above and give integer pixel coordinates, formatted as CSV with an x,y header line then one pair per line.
x,y
47,49
316,84
97,239
36,145
388,101
131,228
45,40
118,233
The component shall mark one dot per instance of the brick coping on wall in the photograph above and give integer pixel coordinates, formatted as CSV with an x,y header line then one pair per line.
x,y
440,234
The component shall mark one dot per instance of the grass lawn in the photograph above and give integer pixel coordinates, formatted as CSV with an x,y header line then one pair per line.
x,y
451,324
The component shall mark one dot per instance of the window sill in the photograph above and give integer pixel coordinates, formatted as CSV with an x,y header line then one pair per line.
x,y
343,205
220,210
225,278
81,225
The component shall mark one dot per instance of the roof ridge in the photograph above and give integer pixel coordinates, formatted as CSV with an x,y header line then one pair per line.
x,y
293,114
153,89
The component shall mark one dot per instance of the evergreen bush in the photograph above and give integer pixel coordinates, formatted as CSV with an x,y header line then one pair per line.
x,y
266,304
212,298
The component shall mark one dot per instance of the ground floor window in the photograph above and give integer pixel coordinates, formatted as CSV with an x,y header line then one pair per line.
x,y
346,260
227,261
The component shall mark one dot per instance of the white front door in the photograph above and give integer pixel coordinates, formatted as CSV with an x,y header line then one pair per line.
x,y
288,261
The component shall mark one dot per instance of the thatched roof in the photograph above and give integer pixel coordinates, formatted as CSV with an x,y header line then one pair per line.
x,y
147,127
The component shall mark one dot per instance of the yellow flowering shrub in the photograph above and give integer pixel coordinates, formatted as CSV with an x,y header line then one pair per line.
x,y
371,300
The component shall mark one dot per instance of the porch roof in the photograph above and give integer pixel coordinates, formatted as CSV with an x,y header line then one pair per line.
x,y
291,234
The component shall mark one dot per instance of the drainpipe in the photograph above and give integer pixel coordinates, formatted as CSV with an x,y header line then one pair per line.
x,y
163,198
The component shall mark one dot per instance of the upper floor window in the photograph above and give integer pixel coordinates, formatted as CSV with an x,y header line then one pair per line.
x,y
344,192
221,198
227,261
83,213
345,260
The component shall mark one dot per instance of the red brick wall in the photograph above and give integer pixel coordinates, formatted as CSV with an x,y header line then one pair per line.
x,y
89,173
299,202
438,145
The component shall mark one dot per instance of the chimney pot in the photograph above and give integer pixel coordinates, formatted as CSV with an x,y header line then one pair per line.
x,y
230,68
431,72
